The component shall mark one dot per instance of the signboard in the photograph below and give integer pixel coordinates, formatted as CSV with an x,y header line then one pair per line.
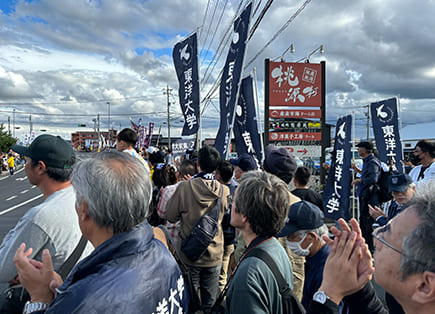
x,y
305,151
295,136
286,113
181,146
295,84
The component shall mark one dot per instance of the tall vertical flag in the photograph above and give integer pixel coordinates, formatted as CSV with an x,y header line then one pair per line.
x,y
150,134
185,58
230,81
245,125
134,126
386,128
337,189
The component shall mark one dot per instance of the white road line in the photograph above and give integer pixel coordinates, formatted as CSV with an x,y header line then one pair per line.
x,y
11,198
33,186
19,205
25,191
14,174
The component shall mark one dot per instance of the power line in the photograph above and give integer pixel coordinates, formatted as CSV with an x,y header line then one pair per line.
x,y
225,38
260,17
279,32
203,20
215,31
208,30
77,102
84,115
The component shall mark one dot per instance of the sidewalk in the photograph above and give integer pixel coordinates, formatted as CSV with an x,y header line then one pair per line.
x,y
6,173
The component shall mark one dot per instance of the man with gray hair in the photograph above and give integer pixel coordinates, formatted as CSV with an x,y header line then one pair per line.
x,y
129,271
404,261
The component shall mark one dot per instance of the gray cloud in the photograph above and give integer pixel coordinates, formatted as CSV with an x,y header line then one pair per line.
x,y
373,50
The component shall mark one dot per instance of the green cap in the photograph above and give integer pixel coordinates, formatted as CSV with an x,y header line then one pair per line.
x,y
52,150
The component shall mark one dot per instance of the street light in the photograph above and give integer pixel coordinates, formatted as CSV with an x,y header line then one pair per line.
x,y
319,49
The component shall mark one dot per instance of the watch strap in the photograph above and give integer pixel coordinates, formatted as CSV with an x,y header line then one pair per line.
x,y
32,307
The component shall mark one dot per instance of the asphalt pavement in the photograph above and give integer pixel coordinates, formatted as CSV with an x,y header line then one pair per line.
x,y
17,196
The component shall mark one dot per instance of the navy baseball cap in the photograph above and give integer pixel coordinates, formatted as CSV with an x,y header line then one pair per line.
x,y
52,150
279,160
399,182
245,162
303,215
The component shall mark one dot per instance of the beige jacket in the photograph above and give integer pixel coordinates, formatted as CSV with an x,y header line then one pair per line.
x,y
189,202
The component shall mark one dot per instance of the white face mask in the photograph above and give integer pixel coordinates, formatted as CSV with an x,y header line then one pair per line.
x,y
297,249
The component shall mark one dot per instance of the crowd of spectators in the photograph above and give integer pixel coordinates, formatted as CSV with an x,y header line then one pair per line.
x,y
138,208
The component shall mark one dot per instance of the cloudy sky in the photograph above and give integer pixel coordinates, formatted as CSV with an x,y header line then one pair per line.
x,y
61,62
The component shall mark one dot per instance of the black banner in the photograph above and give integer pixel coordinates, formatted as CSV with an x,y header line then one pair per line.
x,y
230,80
336,194
185,58
245,126
386,129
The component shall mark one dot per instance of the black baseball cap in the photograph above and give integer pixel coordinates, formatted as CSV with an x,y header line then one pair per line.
x,y
52,150
366,145
399,182
303,215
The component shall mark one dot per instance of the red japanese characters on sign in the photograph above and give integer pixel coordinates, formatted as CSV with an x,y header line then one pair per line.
x,y
301,136
295,84
306,114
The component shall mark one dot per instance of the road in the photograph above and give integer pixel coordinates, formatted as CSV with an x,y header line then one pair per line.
x,y
17,196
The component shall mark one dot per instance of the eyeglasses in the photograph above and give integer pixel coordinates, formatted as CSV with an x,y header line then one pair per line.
x,y
376,234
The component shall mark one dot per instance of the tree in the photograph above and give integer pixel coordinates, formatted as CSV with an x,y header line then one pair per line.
x,y
6,140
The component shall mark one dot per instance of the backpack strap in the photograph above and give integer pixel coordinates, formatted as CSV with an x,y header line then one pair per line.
x,y
66,268
214,211
284,289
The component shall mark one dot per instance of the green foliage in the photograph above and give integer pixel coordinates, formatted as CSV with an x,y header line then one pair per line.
x,y
6,140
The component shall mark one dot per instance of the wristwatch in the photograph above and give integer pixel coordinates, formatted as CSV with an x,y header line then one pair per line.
x,y
32,307
320,297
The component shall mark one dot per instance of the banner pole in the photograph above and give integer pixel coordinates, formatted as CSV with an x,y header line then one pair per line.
x,y
257,106
355,209
199,133
399,116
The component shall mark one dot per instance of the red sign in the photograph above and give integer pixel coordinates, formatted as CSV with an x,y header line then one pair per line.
x,y
295,84
295,136
305,114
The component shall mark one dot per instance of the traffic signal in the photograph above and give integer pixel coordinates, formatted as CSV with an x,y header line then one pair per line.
x,y
82,125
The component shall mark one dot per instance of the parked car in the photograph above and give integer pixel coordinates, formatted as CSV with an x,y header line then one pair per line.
x,y
299,162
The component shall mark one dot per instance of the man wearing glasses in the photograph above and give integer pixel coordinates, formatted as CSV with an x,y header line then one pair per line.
x,y
404,261
425,153
401,186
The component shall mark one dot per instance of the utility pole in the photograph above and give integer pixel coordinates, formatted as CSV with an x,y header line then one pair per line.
x,y
98,131
167,92
30,124
9,125
108,125
13,120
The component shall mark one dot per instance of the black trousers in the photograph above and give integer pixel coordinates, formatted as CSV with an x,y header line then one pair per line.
x,y
365,220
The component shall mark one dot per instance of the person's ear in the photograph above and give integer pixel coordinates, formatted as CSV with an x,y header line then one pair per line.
x,y
425,288
41,167
82,211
